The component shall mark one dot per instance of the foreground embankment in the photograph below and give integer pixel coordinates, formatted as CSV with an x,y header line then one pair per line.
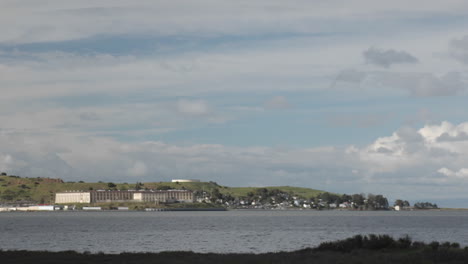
x,y
358,249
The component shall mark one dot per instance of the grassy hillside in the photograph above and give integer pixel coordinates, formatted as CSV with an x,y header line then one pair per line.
x,y
243,191
42,190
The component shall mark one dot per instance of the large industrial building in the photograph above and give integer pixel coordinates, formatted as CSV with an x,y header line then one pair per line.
x,y
103,196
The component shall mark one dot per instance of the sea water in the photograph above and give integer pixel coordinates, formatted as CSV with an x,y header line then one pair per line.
x,y
220,232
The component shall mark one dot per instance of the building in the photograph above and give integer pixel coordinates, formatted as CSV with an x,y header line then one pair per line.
x,y
73,197
185,180
107,196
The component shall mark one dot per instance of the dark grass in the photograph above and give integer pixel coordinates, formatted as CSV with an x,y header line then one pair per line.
x,y
380,249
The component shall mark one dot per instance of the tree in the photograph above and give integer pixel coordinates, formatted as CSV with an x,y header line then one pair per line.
x,y
111,185
398,202
401,203
346,198
358,199
425,205
138,186
215,194
163,187
8,195
381,202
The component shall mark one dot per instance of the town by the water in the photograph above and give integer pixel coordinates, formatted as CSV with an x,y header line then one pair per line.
x,y
47,194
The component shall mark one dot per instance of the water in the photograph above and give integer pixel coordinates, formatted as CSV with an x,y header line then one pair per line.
x,y
229,231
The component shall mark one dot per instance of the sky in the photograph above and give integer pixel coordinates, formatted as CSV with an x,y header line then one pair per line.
x,y
355,96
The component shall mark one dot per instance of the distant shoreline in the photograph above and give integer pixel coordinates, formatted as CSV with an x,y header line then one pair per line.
x,y
222,209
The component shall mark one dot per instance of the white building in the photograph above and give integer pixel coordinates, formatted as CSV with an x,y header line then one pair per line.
x,y
72,197
104,196
185,180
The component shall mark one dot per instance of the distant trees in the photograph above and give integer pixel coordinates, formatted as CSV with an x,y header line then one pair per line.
x,y
139,186
376,202
164,187
401,203
8,195
425,205
358,199
111,185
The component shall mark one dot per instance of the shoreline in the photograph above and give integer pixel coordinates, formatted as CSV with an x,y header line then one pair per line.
x,y
224,209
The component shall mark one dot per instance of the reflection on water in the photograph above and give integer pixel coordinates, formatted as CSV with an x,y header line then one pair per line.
x,y
230,231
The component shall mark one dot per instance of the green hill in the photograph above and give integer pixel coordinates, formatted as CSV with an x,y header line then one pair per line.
x,y
42,190
299,191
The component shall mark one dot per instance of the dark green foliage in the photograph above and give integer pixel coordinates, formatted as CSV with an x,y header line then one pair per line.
x,y
139,186
8,195
425,205
371,242
401,203
405,242
164,187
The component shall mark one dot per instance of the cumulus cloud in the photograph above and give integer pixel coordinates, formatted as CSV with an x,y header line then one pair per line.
x,y
462,173
457,136
407,157
277,102
386,58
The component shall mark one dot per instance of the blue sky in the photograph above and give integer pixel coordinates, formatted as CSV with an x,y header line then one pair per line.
x,y
347,96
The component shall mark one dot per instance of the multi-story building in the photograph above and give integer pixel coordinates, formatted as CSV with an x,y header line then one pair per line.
x,y
103,196
73,197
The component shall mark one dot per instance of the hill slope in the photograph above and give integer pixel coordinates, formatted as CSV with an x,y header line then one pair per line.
x,y
42,190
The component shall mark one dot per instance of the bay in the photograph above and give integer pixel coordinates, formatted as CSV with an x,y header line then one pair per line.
x,y
219,232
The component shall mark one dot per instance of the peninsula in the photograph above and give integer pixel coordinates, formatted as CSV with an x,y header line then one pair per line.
x,y
179,194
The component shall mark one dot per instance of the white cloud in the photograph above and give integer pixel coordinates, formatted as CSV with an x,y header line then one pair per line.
x,y
297,47
460,174
406,157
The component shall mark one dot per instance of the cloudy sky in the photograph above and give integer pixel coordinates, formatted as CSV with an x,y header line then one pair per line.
x,y
348,96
